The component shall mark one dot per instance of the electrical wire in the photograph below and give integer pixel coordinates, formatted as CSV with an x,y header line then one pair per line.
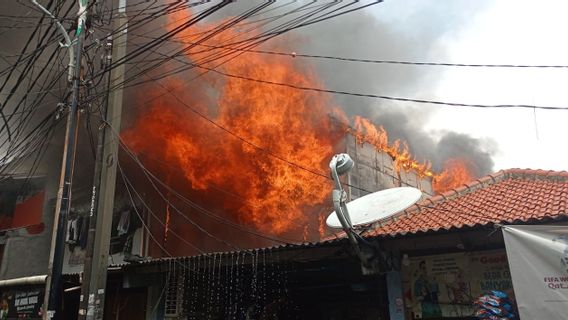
x,y
45,37
158,244
217,30
38,145
51,82
173,56
154,79
268,152
200,209
26,113
130,186
42,150
290,26
255,146
237,136
316,89
22,112
39,100
258,24
152,177
199,17
383,97
259,39
374,61
150,235
367,95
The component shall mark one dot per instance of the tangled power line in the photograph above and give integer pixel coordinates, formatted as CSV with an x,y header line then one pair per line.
x,y
33,97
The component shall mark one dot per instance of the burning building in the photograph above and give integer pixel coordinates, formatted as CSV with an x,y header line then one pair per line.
x,y
253,154
227,162
376,170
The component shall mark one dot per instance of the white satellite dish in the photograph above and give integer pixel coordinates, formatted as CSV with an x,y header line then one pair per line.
x,y
377,206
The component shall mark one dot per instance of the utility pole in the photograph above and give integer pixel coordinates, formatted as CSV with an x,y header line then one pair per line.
x,y
102,202
53,291
95,195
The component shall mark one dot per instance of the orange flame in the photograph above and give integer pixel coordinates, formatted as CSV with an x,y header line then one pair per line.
x,y
366,132
279,121
273,195
456,173
167,224
321,224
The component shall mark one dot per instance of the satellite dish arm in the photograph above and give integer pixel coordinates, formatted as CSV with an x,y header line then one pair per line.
x,y
339,197
340,209
366,253
343,216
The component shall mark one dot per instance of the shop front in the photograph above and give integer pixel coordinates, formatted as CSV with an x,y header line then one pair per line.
x,y
445,286
21,302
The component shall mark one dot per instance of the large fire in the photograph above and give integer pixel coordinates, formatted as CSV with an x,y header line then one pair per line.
x,y
456,172
273,123
366,132
254,164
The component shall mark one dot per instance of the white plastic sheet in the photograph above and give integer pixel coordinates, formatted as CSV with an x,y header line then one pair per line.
x,y
538,259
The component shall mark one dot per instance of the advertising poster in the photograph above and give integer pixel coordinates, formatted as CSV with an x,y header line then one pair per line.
x,y
440,286
538,256
21,303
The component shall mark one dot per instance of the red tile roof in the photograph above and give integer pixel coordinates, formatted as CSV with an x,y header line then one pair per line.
x,y
508,196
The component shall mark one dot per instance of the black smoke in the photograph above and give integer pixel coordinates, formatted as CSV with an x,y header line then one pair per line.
x,y
404,31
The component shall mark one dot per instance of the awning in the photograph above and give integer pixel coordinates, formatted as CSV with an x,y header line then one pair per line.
x,y
23,281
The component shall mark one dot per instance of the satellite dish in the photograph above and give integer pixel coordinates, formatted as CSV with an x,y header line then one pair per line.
x,y
377,206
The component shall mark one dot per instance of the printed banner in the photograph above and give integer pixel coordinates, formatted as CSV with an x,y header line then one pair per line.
x,y
445,286
20,303
538,258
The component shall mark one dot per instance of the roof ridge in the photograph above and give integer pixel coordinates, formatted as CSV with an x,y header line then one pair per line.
x,y
536,173
472,186
459,191
490,179
496,197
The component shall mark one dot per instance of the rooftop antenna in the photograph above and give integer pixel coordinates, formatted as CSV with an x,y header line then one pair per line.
x,y
377,206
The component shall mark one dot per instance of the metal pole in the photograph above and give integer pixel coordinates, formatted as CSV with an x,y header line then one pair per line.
x,y
104,213
68,44
338,197
95,196
53,287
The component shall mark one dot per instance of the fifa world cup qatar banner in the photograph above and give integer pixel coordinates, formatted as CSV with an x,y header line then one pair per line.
x,y
538,260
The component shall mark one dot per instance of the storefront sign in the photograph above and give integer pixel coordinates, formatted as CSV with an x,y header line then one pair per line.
x,y
446,285
538,256
21,303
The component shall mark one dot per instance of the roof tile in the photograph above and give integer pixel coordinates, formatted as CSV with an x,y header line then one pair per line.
x,y
508,196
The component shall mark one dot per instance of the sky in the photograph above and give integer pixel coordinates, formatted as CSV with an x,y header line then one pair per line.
x,y
494,32
455,31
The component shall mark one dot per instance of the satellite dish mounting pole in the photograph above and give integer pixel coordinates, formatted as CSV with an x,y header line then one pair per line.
x,y
368,209
341,164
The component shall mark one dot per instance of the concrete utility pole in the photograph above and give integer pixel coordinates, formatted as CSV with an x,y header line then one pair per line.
x,y
95,197
53,291
96,262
